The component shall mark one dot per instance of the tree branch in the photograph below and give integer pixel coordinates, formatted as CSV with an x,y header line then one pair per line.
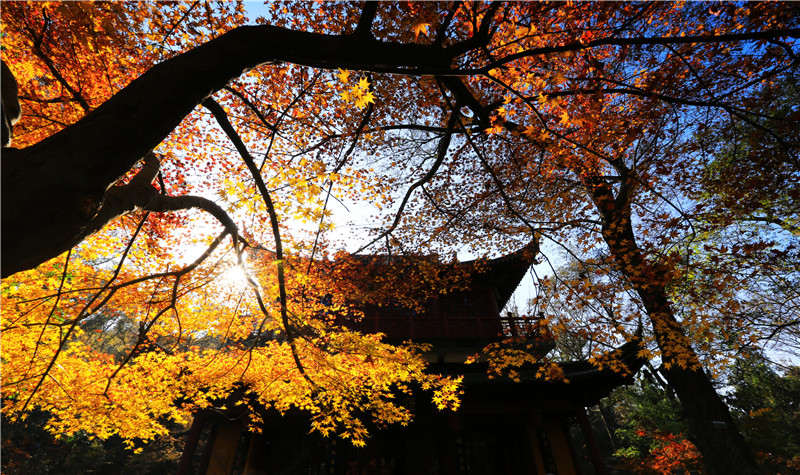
x,y
222,119
643,40
366,19
441,153
77,164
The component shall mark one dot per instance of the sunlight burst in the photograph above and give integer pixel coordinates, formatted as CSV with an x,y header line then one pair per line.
x,y
234,278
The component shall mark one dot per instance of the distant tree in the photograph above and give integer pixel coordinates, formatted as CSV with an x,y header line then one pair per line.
x,y
649,432
767,407
751,168
748,196
28,448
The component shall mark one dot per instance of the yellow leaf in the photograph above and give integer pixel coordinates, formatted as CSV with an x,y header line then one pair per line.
x,y
421,28
367,98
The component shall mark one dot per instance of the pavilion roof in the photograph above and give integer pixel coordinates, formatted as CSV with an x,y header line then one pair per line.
x,y
584,382
504,272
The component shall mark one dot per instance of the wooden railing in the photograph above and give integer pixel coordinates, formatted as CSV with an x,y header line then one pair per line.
x,y
450,326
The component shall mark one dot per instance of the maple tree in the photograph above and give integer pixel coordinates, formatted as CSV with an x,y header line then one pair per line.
x,y
464,124
646,431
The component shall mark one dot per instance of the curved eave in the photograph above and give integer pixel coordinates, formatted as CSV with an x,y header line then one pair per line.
x,y
585,384
505,272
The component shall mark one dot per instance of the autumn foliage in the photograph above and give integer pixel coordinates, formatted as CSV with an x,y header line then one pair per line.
x,y
406,128
669,454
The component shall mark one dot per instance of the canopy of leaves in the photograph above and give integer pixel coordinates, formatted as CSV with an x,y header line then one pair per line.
x,y
431,128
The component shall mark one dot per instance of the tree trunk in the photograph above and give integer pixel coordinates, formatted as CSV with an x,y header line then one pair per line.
x,y
711,426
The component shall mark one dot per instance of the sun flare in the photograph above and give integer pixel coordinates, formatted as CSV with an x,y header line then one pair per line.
x,y
234,277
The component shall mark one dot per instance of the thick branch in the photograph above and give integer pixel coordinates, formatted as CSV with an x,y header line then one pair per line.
x,y
51,191
366,19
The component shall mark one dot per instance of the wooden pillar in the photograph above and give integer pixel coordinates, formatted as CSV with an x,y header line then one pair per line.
x,y
562,453
257,456
448,458
535,445
421,450
223,450
570,445
208,449
594,452
494,312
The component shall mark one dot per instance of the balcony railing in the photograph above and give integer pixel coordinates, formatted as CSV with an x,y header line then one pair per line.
x,y
449,326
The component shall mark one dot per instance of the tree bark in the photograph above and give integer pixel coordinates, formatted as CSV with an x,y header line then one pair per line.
x,y
711,426
51,190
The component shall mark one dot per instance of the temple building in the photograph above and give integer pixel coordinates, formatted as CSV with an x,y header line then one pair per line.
x,y
502,426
